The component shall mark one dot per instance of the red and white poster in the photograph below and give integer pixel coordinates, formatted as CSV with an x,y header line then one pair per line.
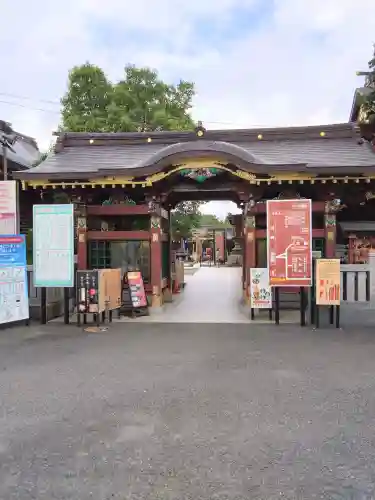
x,y
8,207
289,242
137,289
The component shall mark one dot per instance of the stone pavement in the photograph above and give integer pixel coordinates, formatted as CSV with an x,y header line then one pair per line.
x,y
212,295
183,411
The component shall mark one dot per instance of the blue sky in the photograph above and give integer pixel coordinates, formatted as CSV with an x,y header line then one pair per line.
x,y
254,62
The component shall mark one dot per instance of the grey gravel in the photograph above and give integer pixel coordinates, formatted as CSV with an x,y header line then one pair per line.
x,y
167,412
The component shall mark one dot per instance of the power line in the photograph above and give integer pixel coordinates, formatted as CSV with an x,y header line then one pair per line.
x,y
30,107
43,110
15,96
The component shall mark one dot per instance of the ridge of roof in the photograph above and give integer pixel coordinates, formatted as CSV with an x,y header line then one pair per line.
x,y
76,139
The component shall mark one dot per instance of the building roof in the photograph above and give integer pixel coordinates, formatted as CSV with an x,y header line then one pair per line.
x,y
322,148
25,151
359,94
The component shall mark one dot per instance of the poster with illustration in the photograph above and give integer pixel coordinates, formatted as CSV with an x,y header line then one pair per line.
x,y
260,290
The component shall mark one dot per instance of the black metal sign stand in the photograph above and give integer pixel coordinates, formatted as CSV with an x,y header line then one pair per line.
x,y
302,307
334,315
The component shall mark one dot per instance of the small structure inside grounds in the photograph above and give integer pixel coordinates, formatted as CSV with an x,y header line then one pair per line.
x,y
124,186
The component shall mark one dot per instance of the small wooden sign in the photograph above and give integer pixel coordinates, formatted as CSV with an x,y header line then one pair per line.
x,y
260,290
328,288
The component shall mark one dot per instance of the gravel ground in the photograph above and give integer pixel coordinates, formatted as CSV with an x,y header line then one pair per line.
x,y
193,411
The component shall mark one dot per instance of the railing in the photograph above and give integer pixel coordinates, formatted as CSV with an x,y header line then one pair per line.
x,y
356,282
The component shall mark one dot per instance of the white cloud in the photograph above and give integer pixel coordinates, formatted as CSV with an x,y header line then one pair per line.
x,y
297,68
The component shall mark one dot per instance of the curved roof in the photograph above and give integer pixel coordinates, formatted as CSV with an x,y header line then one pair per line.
x,y
320,148
181,150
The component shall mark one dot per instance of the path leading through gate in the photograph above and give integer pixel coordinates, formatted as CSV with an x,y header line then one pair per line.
x,y
211,295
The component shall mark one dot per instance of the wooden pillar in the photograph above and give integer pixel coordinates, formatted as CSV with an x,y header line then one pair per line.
x,y
330,235
82,239
156,261
352,248
249,252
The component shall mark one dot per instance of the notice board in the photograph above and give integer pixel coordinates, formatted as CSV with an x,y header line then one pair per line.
x,y
137,289
14,297
328,282
98,290
53,245
289,242
260,290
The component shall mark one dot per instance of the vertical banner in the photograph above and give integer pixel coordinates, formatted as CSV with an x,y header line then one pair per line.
x,y
328,278
8,208
14,297
289,242
260,290
53,245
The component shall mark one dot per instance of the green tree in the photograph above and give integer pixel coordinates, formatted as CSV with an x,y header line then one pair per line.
x,y
141,101
213,221
368,107
185,218
86,102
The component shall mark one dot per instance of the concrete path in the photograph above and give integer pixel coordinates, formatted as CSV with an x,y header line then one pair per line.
x,y
211,295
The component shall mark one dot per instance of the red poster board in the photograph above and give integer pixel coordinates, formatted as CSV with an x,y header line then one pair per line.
x,y
137,289
289,242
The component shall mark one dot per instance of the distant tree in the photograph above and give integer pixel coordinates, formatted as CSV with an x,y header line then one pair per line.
x,y
141,101
213,221
185,218
86,102
368,105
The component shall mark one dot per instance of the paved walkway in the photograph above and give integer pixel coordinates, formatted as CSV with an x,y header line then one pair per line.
x,y
188,411
211,295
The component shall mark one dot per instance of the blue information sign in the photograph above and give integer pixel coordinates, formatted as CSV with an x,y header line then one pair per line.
x,y
14,299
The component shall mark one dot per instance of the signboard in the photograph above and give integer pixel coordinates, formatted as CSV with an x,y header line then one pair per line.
x,y
14,297
8,207
289,242
88,292
260,290
53,245
328,289
137,289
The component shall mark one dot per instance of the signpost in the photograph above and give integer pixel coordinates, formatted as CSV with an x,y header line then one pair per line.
x,y
328,288
328,282
289,242
14,297
9,223
289,247
53,245
260,290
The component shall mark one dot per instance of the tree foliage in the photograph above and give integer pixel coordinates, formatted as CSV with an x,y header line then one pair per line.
x,y
185,218
369,100
211,220
141,101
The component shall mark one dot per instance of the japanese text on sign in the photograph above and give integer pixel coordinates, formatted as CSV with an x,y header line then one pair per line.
x,y
289,242
260,291
328,282
14,298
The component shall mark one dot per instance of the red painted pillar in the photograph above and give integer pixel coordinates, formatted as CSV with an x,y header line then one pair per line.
x,y
330,235
249,252
219,244
82,241
156,261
